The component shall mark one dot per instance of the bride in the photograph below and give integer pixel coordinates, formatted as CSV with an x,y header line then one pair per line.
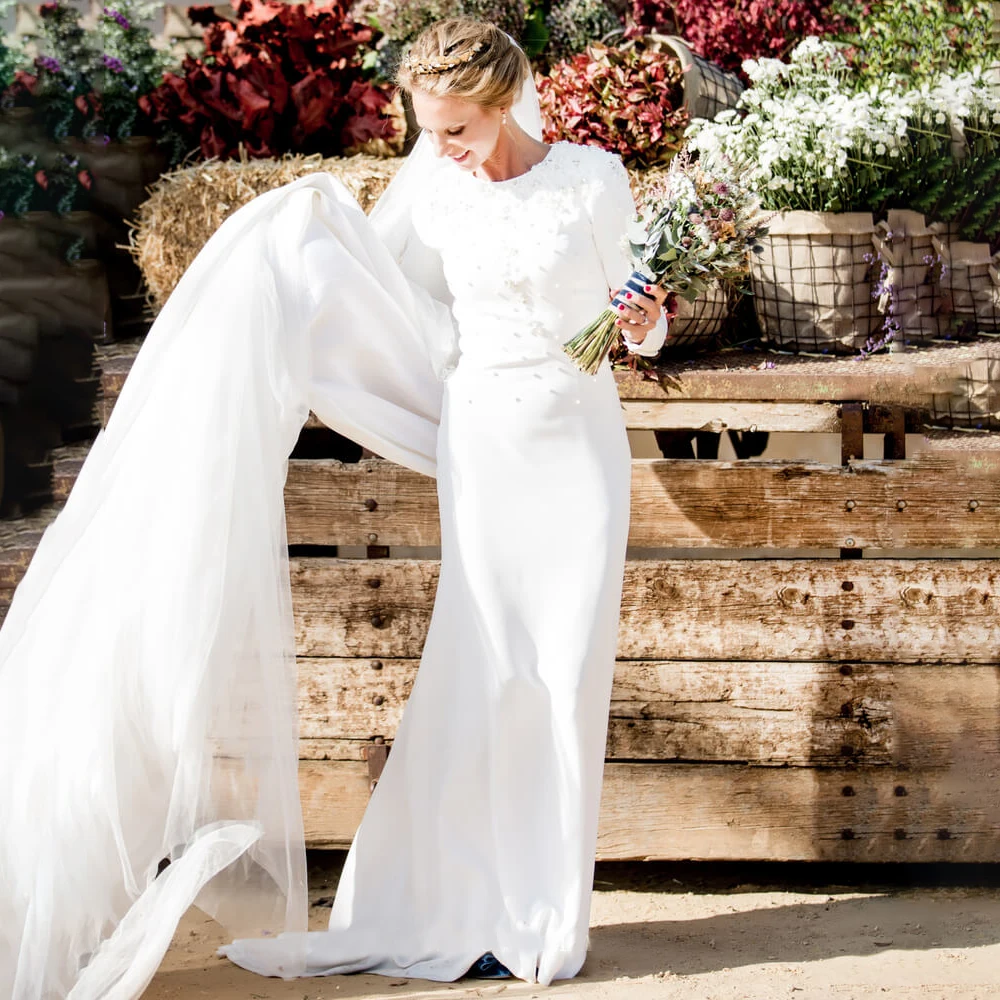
x,y
147,669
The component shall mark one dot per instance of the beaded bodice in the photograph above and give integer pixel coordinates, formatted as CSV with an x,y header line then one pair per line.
x,y
529,261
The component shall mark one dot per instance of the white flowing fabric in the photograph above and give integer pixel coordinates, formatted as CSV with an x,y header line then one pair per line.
x,y
147,681
481,833
147,675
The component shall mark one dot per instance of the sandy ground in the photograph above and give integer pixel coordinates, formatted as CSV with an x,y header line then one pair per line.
x,y
698,932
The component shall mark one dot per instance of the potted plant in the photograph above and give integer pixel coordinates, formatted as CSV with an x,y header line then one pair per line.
x,y
276,78
627,99
829,159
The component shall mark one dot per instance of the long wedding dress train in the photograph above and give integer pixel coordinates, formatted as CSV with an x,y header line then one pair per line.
x,y
147,682
147,677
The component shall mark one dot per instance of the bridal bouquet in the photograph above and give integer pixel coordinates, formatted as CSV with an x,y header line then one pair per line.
x,y
694,228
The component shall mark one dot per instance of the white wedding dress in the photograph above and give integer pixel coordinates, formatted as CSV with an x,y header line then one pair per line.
x,y
147,684
481,832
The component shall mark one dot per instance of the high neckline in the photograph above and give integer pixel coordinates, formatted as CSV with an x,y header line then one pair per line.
x,y
518,177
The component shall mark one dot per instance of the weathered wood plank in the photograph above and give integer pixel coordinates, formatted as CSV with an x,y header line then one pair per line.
x,y
930,501
912,379
798,714
719,812
880,611
720,415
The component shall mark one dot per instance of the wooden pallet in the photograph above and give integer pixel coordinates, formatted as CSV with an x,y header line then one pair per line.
x,y
841,705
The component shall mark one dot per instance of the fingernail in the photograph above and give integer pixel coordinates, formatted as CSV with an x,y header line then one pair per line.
x,y
649,288
628,295
621,309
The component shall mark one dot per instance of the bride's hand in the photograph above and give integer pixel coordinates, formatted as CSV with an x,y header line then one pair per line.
x,y
640,313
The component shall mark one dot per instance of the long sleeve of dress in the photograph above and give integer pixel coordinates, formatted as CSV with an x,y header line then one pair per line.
x,y
611,206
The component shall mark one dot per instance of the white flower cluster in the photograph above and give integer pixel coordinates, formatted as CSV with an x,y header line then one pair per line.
x,y
805,138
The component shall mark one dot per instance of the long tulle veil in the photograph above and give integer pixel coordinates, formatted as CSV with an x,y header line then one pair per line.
x,y
147,670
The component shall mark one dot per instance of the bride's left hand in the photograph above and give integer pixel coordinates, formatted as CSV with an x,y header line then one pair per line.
x,y
639,315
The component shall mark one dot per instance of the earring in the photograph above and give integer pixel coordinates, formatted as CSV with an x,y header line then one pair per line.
x,y
503,117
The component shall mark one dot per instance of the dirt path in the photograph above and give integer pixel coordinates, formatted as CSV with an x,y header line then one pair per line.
x,y
686,932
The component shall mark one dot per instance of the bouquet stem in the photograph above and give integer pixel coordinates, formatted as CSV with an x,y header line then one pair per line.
x,y
591,345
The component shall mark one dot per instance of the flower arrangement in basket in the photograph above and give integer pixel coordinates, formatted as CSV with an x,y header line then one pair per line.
x,y
695,228
628,100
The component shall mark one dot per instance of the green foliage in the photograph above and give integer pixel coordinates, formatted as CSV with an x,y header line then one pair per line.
x,y
402,20
12,57
87,83
918,39
574,24
128,64
52,181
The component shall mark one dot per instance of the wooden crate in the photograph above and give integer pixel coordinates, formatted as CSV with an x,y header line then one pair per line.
x,y
831,692
764,707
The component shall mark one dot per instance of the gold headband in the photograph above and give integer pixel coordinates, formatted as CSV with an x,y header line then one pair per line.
x,y
442,64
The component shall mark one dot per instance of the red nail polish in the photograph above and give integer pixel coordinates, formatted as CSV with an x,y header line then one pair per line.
x,y
628,295
649,288
621,309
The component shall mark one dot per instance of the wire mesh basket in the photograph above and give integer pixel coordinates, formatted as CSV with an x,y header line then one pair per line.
x,y
973,402
969,279
708,88
812,285
699,324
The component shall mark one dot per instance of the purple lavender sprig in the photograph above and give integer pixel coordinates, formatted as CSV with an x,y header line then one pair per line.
x,y
118,17
890,328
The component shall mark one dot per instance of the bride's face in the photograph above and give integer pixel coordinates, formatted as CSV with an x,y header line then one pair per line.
x,y
467,133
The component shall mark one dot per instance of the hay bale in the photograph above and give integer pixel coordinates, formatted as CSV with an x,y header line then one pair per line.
x,y
187,205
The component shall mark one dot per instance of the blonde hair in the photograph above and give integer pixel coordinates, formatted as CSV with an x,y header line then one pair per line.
x,y
465,58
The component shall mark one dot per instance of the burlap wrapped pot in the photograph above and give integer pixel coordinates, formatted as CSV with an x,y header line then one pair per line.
x,y
970,286
973,401
812,284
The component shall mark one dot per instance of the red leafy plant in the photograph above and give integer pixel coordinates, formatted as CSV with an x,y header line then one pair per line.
x,y
279,78
728,31
628,100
